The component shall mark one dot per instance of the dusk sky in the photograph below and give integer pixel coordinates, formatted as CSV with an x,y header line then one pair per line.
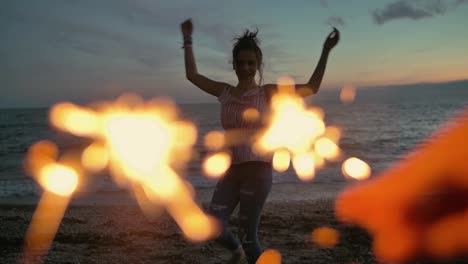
x,y
82,51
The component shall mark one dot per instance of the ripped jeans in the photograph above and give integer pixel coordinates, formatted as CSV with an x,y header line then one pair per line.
x,y
249,184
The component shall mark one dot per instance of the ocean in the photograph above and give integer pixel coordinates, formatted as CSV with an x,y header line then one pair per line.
x,y
379,127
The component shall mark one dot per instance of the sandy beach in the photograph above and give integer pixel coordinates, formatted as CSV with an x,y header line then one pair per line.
x,y
111,228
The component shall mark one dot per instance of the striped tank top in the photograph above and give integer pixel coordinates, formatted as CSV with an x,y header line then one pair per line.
x,y
232,109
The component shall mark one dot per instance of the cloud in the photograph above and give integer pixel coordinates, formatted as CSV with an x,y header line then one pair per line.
x,y
335,21
414,10
105,37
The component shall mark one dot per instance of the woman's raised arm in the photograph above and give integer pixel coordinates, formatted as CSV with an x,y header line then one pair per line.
x,y
202,82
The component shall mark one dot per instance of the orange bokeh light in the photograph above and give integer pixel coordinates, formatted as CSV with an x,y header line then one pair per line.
x,y
217,164
214,140
325,237
420,202
356,169
348,94
281,160
270,256
58,179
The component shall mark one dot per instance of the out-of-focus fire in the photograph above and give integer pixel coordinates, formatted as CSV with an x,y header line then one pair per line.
x,y
304,164
144,145
296,133
217,164
326,148
74,119
270,256
251,115
95,157
215,140
421,202
59,182
58,179
347,94
325,236
333,133
356,168
281,160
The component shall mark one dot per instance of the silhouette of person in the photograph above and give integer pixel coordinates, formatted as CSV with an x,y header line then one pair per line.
x,y
248,180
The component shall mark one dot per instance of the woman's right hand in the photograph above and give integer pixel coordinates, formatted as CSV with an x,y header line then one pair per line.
x,y
187,28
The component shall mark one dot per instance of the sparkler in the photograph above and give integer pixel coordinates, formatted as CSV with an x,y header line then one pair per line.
x,y
296,133
419,207
270,256
325,237
59,182
145,147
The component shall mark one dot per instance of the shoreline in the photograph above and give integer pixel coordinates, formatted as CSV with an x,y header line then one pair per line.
x,y
96,231
280,192
106,233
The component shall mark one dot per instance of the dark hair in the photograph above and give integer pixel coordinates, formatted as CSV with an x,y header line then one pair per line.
x,y
249,41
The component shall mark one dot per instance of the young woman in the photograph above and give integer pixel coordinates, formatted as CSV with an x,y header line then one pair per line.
x,y
248,180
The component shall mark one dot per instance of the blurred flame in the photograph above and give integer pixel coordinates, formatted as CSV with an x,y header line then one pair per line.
x,y
214,140
348,94
44,225
325,236
58,179
199,227
356,168
286,85
251,115
421,201
76,120
39,155
59,182
144,145
319,161
269,256
217,164
281,160
95,157
296,132
326,148
138,142
333,133
291,127
304,166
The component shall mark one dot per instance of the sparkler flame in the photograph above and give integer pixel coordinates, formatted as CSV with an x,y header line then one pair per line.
x,y
421,202
217,164
58,179
144,145
325,236
296,133
356,168
59,182
270,256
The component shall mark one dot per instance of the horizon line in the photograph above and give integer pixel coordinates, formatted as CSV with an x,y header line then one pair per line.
x,y
334,89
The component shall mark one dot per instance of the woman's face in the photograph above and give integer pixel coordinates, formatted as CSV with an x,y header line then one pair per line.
x,y
246,65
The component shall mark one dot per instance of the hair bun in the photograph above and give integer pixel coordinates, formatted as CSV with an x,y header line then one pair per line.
x,y
248,36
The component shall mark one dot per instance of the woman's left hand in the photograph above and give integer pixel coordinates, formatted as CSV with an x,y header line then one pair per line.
x,y
332,39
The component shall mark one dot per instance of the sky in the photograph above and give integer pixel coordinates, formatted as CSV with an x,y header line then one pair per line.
x,y
83,51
